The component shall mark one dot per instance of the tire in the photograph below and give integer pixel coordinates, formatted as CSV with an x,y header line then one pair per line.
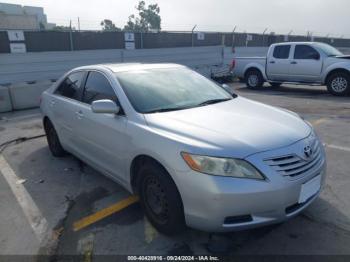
x,y
338,84
254,79
275,84
53,140
160,199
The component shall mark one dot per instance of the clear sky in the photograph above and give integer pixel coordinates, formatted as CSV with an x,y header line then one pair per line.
x,y
281,16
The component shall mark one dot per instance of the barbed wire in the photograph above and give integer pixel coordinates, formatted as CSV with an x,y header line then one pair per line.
x,y
95,25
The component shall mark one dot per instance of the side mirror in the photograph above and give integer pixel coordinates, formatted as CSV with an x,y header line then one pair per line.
x,y
315,56
105,106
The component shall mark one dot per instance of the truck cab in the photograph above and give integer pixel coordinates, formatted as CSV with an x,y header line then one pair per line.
x,y
294,62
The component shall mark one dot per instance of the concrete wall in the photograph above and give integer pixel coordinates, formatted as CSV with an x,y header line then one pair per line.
x,y
5,100
27,75
51,65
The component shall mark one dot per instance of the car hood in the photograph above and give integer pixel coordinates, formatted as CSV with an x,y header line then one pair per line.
x,y
236,128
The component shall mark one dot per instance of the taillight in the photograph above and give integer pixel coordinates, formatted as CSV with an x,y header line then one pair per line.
x,y
233,64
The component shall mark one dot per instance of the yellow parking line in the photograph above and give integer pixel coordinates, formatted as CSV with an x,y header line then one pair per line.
x,y
319,121
86,221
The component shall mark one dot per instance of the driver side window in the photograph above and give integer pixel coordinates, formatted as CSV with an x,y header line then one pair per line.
x,y
97,87
305,52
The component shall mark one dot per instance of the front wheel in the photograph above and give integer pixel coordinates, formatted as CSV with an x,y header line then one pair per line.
x,y
160,199
338,84
254,79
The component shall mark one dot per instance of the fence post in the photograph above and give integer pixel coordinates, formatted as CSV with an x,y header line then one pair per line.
x,y
71,36
192,35
141,40
122,56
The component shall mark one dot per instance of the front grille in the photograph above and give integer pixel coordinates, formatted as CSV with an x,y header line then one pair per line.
x,y
294,166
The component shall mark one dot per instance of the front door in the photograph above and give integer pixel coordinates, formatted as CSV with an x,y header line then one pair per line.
x,y
306,65
102,137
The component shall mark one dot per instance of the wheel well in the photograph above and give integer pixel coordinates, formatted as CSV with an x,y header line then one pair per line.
x,y
135,166
251,69
334,71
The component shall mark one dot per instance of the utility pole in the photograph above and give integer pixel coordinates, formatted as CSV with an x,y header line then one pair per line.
x,y
192,34
71,35
79,24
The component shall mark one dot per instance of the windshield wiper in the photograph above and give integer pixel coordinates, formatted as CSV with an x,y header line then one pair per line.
x,y
214,101
167,109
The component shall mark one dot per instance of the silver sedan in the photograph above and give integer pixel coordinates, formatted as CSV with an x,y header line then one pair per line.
x,y
195,153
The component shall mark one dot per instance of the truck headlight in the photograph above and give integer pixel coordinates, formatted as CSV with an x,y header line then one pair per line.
x,y
222,166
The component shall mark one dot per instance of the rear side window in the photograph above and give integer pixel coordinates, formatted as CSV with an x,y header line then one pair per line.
x,y
70,87
98,87
305,52
281,51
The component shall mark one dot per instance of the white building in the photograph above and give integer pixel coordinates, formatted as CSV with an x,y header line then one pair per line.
x,y
14,16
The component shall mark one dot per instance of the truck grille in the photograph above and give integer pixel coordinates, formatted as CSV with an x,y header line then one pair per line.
x,y
294,165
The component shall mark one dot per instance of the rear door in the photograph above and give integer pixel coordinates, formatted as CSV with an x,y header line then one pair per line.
x,y
278,63
64,104
306,65
102,137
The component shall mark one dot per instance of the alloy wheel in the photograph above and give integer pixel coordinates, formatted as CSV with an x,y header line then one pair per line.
x,y
339,84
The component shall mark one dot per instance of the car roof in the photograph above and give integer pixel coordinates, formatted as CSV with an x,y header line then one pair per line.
x,y
294,43
120,67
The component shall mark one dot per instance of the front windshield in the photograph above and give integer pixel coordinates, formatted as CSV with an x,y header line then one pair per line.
x,y
168,89
329,50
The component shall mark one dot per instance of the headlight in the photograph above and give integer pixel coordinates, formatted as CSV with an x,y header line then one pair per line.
x,y
221,166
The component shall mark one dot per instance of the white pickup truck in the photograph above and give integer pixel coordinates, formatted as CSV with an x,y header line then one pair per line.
x,y
301,63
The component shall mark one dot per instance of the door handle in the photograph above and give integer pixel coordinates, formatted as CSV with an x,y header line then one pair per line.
x,y
293,63
52,102
272,62
79,114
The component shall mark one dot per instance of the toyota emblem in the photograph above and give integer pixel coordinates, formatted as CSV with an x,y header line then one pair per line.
x,y
308,151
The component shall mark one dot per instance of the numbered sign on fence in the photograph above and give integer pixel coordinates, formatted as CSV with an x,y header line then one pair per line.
x,y
200,36
15,35
129,37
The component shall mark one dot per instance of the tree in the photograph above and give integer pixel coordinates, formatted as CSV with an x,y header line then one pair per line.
x,y
107,25
148,18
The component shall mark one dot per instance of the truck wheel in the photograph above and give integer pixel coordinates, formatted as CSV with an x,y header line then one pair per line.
x,y
254,79
338,84
160,199
275,84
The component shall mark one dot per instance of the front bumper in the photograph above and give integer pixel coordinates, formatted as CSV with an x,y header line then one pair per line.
x,y
221,204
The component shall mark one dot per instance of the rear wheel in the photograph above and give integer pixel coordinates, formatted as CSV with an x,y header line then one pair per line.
x,y
254,79
53,140
339,84
160,199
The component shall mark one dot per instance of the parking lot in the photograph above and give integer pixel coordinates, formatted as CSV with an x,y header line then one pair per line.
x,y
62,206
